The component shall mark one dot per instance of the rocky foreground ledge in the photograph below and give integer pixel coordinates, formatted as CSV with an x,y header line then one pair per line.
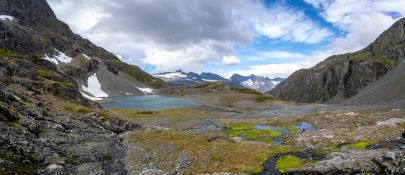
x,y
47,127
36,141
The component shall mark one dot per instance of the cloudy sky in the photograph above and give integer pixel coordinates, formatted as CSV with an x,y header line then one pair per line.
x,y
263,37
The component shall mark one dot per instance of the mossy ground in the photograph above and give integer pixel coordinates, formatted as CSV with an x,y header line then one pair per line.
x,y
250,132
208,156
288,162
361,144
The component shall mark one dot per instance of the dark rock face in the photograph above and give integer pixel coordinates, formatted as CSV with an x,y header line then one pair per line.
x,y
343,76
38,138
37,31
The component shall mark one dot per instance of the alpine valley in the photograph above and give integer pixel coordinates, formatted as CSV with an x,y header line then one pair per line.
x,y
68,106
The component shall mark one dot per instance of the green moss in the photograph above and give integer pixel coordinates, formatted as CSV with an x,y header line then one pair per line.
x,y
282,149
288,162
361,144
240,127
44,74
256,134
245,91
292,129
249,131
5,53
360,57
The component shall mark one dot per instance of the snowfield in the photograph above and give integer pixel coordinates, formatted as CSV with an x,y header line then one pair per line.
x,y
94,87
6,17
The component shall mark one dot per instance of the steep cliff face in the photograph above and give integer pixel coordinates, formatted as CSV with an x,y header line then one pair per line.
x,y
32,28
343,76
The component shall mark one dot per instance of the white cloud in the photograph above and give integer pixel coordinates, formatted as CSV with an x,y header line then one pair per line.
x,y
80,18
290,26
183,34
188,59
268,70
259,56
283,69
362,20
230,60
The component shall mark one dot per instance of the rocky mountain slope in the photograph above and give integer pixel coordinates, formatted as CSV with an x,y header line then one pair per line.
x,y
180,78
389,88
340,77
31,27
47,126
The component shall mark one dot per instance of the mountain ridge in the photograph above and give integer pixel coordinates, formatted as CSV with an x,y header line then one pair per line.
x,y
262,84
340,77
36,30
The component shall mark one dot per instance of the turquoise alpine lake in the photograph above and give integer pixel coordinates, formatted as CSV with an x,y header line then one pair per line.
x,y
149,102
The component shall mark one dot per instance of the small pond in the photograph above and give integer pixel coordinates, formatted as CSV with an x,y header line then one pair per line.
x,y
149,102
301,128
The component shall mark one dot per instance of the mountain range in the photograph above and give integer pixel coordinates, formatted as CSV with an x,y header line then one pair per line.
x,y
180,78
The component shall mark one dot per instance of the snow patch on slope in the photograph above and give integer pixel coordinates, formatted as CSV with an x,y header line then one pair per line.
x,y
6,17
86,56
63,58
90,97
146,90
94,87
60,58
52,60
